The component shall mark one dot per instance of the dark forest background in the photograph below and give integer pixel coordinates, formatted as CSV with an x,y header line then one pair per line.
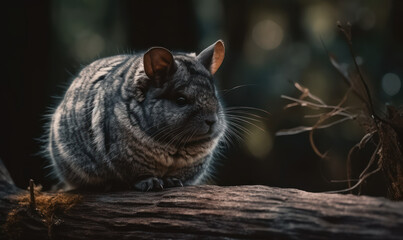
x,y
269,44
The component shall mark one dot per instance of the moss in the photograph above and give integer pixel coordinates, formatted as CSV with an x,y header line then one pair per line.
x,y
46,213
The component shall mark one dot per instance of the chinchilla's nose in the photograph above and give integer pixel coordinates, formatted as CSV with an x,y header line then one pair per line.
x,y
210,120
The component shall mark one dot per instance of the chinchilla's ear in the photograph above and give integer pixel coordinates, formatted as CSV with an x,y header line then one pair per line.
x,y
212,56
158,64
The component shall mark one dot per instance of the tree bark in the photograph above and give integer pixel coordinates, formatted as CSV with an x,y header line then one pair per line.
x,y
213,212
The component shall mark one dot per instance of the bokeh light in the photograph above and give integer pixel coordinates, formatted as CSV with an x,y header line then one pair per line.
x,y
391,84
319,20
267,34
259,142
366,18
359,60
88,45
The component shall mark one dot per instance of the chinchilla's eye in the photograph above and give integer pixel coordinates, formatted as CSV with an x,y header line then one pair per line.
x,y
181,101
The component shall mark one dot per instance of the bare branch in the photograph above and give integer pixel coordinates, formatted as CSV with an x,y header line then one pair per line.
x,y
301,129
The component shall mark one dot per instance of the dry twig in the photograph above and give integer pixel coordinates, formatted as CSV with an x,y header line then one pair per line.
x,y
386,132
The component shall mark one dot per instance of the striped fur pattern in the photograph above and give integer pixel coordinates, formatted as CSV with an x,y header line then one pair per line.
x,y
115,125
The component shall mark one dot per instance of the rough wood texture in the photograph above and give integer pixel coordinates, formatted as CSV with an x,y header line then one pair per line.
x,y
239,212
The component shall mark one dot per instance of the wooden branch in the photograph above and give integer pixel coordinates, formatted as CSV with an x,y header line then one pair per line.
x,y
213,212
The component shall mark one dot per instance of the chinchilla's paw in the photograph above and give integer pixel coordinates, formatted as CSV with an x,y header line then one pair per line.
x,y
172,182
149,184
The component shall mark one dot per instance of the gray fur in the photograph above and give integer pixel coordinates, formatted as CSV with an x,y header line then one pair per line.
x,y
114,126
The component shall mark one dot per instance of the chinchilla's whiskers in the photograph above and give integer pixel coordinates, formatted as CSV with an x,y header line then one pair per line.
x,y
234,135
151,127
167,134
243,119
186,139
226,91
160,133
171,135
226,139
248,108
240,127
254,118
240,119
191,135
183,138
244,113
176,137
236,118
